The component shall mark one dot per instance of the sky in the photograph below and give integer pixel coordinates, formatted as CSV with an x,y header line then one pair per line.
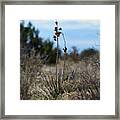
x,y
82,34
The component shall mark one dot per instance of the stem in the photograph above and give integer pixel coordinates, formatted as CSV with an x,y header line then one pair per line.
x,y
57,63
64,66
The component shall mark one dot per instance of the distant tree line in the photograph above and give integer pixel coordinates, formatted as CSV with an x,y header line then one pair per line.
x,y
30,39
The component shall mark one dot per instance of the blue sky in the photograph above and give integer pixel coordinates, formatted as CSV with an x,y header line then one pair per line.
x,y
80,33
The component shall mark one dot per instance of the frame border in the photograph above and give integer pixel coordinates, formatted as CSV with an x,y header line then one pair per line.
x,y
62,2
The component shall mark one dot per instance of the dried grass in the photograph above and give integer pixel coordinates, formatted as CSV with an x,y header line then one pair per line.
x,y
81,80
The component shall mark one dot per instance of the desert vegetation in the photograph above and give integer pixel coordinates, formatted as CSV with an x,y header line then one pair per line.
x,y
78,77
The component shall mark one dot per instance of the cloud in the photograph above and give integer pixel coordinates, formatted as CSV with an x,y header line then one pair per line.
x,y
67,24
80,25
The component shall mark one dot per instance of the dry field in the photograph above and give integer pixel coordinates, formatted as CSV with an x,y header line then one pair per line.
x,y
81,80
